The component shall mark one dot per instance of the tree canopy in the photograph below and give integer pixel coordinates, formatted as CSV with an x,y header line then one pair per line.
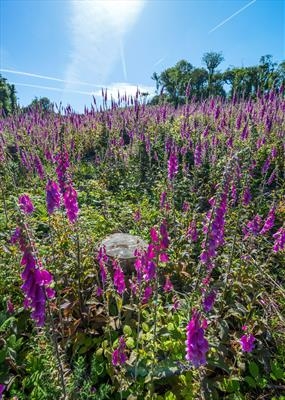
x,y
184,81
8,99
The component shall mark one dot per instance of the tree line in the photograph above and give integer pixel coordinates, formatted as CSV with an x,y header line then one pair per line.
x,y
183,81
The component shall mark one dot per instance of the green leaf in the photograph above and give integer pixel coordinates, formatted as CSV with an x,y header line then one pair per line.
x,y
127,330
253,369
130,343
170,396
250,381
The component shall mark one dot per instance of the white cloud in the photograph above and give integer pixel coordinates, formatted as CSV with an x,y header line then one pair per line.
x,y
112,89
124,87
97,32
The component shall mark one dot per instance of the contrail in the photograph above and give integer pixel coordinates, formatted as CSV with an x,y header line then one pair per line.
x,y
51,88
123,60
232,16
158,61
50,78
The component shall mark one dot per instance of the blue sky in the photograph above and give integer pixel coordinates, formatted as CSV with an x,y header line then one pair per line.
x,y
118,44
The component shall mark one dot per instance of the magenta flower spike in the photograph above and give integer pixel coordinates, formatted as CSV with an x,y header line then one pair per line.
x,y
209,300
269,222
70,203
25,204
279,240
172,166
196,345
119,356
52,196
119,278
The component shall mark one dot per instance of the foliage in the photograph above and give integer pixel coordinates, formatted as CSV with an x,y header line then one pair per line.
x,y
182,82
203,185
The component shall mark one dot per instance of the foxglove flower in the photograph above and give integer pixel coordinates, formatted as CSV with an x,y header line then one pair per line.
x,y
215,232
209,300
119,356
10,307
2,389
102,259
168,286
198,156
192,233
163,199
247,342
269,222
246,196
271,178
172,166
196,344
279,240
37,281
147,294
70,203
137,216
39,167
185,206
266,165
119,278
253,227
26,204
61,169
52,196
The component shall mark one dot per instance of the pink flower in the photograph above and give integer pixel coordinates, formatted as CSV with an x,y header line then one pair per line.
x,y
26,204
10,307
192,233
99,291
168,286
269,222
119,278
172,166
147,294
2,389
137,216
279,238
196,345
253,227
163,197
247,342
209,301
52,196
119,356
70,203
246,196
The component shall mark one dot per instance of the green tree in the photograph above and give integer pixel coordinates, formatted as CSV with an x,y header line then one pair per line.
x,y
212,60
173,81
8,99
42,103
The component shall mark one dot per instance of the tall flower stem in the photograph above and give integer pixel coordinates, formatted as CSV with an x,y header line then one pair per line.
x,y
138,332
5,207
55,277
78,258
56,348
155,320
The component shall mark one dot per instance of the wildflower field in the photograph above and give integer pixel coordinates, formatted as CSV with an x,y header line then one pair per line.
x,y
200,314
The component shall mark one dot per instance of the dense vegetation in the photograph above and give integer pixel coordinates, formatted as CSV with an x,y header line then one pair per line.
x,y
183,82
201,313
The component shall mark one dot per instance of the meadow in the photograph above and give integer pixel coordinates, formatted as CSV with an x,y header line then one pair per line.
x,y
201,312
